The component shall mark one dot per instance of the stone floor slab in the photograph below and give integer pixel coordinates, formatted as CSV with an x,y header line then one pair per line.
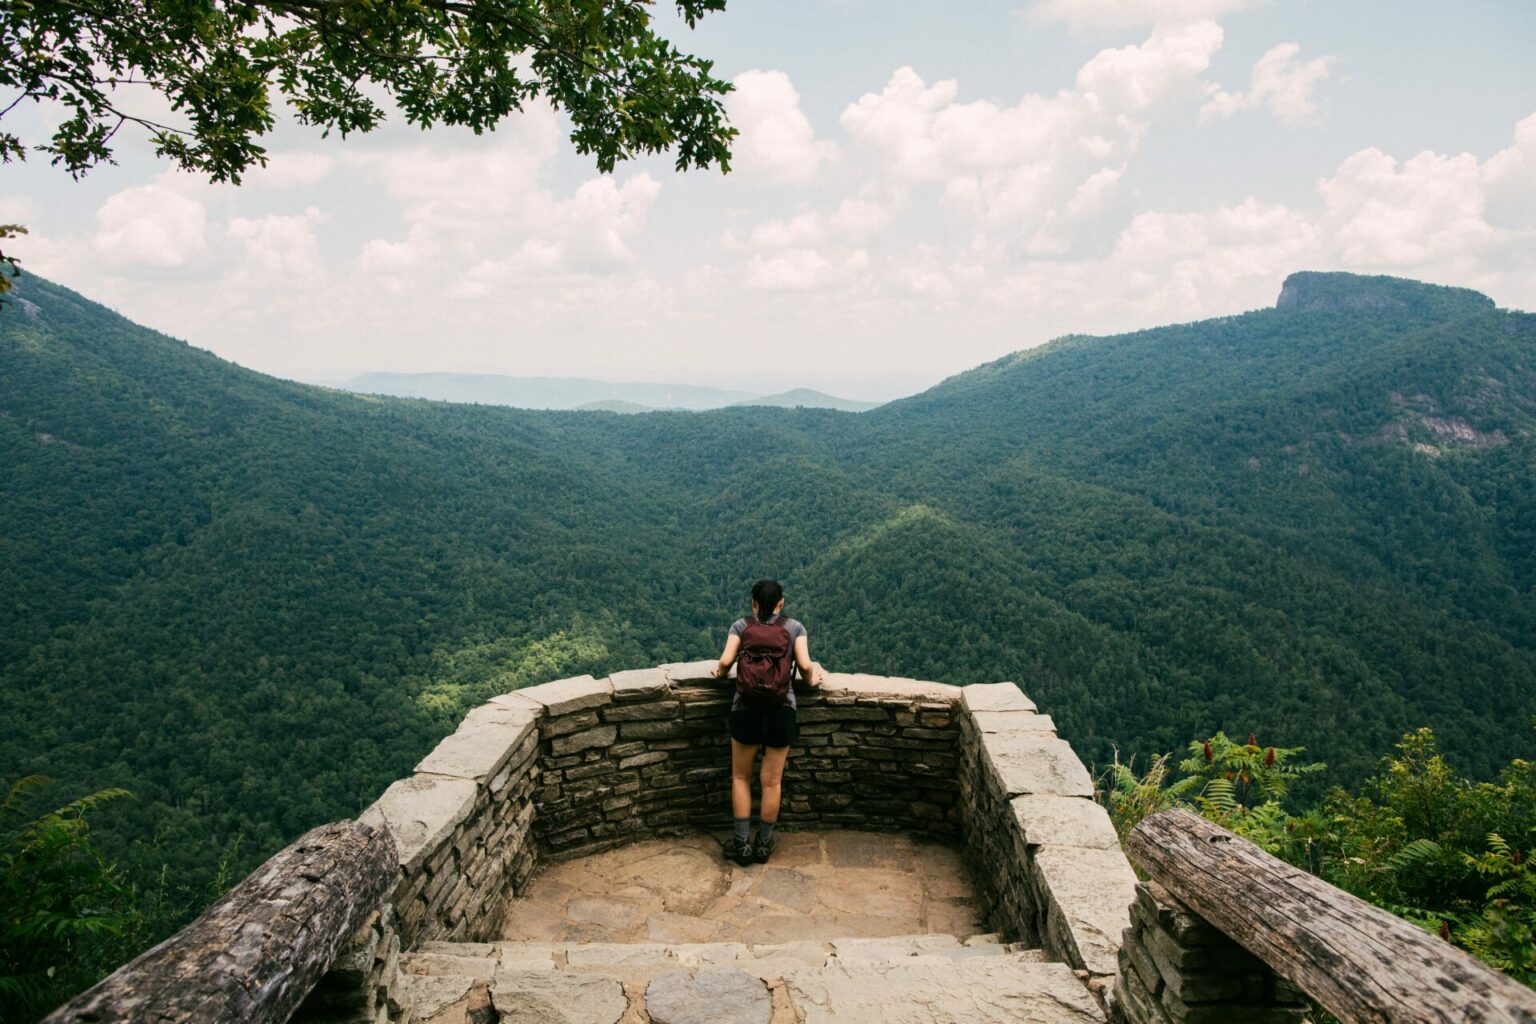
x,y
669,927
710,995
560,998
818,886
792,890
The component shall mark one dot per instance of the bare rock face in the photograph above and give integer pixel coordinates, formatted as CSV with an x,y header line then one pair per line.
x,y
1312,292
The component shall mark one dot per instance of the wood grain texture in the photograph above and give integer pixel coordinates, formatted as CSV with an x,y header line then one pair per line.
x,y
1362,963
256,953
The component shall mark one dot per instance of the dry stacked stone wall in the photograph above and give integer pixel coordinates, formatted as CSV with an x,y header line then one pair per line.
x,y
581,765
1175,968
646,753
1035,839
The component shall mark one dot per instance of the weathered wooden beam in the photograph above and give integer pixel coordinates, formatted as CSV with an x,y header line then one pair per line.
x,y
1360,962
255,954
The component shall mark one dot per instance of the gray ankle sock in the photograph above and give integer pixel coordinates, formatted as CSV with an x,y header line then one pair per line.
x,y
765,830
743,826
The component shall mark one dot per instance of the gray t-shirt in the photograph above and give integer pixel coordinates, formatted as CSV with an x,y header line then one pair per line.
x,y
796,631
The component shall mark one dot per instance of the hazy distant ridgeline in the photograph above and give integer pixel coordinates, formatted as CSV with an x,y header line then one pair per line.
x,y
256,602
583,394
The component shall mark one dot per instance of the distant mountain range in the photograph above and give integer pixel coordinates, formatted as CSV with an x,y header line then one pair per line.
x,y
805,398
581,393
256,603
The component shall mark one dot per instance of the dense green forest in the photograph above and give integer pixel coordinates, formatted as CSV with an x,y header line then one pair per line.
x,y
255,603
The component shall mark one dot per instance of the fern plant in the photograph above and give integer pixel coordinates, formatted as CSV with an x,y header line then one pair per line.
x,y
1504,935
60,903
1130,797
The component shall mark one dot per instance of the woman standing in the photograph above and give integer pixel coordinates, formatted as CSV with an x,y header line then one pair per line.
x,y
766,649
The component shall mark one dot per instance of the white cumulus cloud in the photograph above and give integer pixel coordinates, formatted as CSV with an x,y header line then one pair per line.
x,y
854,221
1180,265
151,226
1429,208
1131,79
815,249
602,217
380,257
1509,179
488,208
1027,175
280,245
1280,82
777,142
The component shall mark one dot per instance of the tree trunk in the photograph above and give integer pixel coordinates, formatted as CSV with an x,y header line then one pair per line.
x,y
255,954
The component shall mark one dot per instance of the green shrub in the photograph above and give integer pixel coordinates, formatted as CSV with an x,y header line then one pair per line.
x,y
65,909
1449,854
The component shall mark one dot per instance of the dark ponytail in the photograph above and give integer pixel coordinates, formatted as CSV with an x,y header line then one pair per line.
x,y
767,594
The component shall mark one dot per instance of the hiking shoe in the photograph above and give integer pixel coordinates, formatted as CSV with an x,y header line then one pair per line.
x,y
739,850
763,849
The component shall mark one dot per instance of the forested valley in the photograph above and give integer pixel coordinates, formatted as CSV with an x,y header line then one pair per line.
x,y
254,603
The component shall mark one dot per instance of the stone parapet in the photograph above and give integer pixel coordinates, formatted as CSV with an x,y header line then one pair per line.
x,y
580,765
646,754
1035,839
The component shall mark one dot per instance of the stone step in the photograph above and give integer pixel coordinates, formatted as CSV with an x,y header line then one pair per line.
x,y
481,959
1011,988
914,979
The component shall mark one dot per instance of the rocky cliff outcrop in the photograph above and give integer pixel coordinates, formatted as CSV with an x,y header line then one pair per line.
x,y
1313,292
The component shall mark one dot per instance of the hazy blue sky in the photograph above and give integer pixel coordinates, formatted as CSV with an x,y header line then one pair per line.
x,y
919,187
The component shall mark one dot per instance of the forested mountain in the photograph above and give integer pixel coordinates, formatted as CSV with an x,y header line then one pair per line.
x,y
255,603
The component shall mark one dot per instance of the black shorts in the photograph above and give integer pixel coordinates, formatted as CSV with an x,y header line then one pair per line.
x,y
756,727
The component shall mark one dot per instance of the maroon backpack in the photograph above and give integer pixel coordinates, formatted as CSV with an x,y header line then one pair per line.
x,y
764,664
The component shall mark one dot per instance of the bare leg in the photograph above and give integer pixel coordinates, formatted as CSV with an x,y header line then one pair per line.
x,y
772,779
742,756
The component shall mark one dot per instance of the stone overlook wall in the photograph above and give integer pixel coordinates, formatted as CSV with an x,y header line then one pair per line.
x,y
1036,840
581,765
654,759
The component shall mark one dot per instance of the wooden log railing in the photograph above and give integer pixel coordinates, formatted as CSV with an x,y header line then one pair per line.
x,y
256,953
1361,963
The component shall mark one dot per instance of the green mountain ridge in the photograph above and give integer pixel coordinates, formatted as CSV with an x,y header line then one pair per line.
x,y
255,603
615,405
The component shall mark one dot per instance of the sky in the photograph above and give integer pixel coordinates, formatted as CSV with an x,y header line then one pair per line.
x,y
918,187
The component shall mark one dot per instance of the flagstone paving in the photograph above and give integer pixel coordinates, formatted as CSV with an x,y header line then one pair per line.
x,y
818,885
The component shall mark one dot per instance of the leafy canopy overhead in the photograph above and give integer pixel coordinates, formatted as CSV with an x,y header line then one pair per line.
x,y
454,62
